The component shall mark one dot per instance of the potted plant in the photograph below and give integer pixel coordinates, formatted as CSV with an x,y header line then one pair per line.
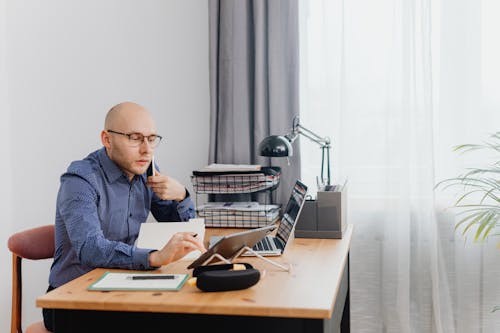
x,y
482,186
479,203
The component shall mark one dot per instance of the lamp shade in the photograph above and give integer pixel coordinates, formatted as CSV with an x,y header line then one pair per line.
x,y
275,146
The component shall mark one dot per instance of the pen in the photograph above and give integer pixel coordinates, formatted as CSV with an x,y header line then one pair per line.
x,y
153,277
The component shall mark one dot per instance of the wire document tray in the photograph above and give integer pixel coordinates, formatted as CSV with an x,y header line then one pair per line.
x,y
234,183
238,214
235,197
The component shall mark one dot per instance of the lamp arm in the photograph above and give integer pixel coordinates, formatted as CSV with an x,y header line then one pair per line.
x,y
323,142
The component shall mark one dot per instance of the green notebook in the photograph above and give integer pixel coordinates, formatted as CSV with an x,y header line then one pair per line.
x,y
139,281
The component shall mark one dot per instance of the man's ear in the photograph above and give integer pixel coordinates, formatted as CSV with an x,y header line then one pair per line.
x,y
105,139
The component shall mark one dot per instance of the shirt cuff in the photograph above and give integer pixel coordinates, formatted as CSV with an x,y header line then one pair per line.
x,y
185,208
140,258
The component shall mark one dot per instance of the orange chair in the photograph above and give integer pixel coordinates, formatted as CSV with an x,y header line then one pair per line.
x,y
36,243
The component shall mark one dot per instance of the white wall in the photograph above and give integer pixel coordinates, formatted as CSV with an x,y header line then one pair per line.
x,y
63,64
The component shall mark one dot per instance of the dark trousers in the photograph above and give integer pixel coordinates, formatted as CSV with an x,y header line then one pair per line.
x,y
48,315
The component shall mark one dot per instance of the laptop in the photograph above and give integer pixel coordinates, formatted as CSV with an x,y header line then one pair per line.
x,y
275,245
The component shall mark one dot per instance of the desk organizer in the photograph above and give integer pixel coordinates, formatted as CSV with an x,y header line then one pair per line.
x,y
237,199
324,217
267,179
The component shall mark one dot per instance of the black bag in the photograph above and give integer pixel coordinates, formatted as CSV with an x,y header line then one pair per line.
x,y
223,278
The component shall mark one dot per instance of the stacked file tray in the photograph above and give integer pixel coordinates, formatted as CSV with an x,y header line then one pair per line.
x,y
238,214
234,195
234,183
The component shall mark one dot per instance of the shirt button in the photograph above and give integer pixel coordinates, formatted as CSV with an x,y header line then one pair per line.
x,y
130,215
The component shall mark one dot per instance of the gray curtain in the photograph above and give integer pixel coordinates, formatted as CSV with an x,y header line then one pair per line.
x,y
254,82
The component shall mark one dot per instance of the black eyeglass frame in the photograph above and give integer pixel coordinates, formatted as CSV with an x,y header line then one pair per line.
x,y
129,135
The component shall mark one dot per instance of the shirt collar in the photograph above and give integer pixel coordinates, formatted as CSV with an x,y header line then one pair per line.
x,y
111,170
144,177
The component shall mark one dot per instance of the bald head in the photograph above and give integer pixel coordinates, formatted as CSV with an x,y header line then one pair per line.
x,y
121,115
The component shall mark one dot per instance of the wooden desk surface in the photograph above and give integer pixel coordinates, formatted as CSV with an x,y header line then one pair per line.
x,y
308,291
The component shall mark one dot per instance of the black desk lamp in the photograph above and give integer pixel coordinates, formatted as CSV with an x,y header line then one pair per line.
x,y
281,146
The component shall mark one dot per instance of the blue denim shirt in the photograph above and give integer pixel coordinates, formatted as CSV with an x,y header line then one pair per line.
x,y
98,216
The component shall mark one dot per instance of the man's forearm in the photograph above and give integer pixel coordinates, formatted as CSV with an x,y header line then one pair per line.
x,y
100,252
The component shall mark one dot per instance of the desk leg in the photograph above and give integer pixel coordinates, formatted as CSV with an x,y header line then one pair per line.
x,y
340,320
345,324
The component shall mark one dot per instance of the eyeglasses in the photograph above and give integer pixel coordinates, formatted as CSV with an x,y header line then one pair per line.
x,y
136,139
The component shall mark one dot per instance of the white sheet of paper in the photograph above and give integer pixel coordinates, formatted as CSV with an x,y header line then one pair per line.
x,y
154,235
124,281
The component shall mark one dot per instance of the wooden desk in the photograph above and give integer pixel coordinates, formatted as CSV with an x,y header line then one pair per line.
x,y
313,297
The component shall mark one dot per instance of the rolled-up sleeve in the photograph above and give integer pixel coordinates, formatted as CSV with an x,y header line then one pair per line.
x,y
171,211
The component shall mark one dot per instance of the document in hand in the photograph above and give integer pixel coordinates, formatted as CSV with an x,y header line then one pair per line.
x,y
154,235
139,281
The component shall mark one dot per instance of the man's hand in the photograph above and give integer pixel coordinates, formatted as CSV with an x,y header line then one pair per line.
x,y
177,247
167,188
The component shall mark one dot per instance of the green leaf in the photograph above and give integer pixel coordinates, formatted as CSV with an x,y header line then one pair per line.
x,y
465,219
473,222
483,223
479,203
488,230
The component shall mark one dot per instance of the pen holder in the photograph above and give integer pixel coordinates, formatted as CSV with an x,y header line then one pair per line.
x,y
324,217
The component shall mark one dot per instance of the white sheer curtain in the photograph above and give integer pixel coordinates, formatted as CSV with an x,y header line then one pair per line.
x,y
396,84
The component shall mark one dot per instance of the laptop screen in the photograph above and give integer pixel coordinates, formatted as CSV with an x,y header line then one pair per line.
x,y
292,211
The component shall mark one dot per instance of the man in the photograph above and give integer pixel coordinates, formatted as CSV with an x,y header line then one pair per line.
x,y
104,198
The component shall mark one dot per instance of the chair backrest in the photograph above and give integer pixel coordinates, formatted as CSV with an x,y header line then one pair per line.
x,y
36,243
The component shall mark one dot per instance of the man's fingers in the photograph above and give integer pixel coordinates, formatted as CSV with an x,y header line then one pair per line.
x,y
194,241
157,179
189,245
159,186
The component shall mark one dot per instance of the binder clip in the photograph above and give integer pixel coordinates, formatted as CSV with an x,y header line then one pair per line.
x,y
224,277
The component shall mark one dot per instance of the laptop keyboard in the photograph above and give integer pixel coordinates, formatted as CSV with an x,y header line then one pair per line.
x,y
263,245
